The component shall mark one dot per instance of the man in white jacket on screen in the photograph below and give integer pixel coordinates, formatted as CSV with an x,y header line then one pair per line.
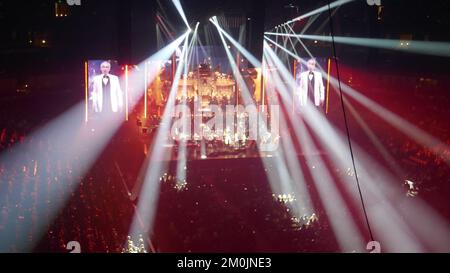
x,y
311,86
107,96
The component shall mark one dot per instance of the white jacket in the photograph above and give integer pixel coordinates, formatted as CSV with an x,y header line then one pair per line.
x,y
319,89
116,93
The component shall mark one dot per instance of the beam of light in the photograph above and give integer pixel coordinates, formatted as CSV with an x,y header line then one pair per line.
x,y
163,16
406,243
159,38
166,30
388,158
181,12
192,45
333,141
198,47
290,40
202,48
353,111
242,86
255,62
372,137
325,22
344,227
398,224
407,128
282,48
162,55
237,75
349,237
182,151
156,163
394,224
290,174
385,154
311,20
336,145
410,130
300,41
287,28
286,56
333,5
73,143
339,218
287,176
136,79
388,211
341,234
420,47
242,34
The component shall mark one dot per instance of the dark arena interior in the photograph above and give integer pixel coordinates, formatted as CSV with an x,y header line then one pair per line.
x,y
214,126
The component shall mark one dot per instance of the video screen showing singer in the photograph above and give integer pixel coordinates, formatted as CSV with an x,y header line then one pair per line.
x,y
106,94
311,88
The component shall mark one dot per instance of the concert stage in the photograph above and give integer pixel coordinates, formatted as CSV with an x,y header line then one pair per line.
x,y
224,126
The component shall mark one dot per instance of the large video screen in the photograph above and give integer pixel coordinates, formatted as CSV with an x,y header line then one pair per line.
x,y
106,91
310,78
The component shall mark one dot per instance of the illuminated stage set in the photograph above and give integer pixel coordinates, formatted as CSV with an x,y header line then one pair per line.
x,y
240,128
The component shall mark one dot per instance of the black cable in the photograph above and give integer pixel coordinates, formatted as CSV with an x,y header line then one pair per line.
x,y
345,120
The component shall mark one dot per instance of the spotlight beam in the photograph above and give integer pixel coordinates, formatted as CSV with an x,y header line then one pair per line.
x,y
393,223
85,147
386,155
419,47
166,30
241,83
311,20
344,227
397,122
282,48
156,164
180,10
290,40
290,173
397,234
301,42
182,152
281,180
72,141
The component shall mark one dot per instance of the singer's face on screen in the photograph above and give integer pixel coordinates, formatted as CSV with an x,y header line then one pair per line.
x,y
105,68
311,65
